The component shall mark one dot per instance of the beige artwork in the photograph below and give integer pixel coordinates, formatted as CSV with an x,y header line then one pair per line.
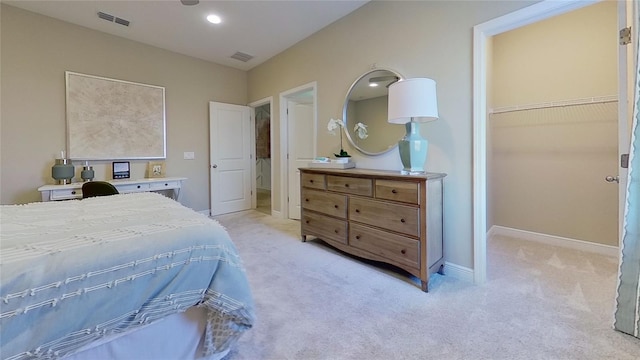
x,y
114,119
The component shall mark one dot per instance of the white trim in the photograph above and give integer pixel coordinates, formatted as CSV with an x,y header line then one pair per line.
x,y
458,272
284,140
206,212
564,242
481,32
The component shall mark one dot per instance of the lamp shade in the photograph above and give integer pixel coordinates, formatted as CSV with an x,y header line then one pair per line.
x,y
413,100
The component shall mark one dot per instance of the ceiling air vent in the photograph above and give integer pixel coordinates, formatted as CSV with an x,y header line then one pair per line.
x,y
111,18
242,56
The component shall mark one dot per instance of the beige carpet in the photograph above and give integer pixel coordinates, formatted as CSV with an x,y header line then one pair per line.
x,y
263,204
541,302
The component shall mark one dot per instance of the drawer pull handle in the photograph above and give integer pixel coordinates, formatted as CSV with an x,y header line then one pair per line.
x,y
335,206
357,237
336,231
358,210
394,191
166,184
73,192
346,185
138,186
306,221
402,221
403,251
311,181
307,200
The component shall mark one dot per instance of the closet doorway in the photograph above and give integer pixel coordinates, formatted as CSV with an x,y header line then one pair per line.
x,y
263,166
482,97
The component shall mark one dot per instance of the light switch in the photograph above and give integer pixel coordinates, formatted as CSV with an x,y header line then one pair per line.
x,y
189,155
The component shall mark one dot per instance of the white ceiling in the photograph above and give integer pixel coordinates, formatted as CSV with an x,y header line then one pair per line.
x,y
259,28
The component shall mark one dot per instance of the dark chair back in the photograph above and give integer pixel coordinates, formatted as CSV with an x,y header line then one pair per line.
x,y
98,188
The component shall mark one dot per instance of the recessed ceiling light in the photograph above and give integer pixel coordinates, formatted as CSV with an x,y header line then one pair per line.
x,y
214,19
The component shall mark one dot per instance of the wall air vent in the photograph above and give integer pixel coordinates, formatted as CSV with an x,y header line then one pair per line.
x,y
242,56
114,19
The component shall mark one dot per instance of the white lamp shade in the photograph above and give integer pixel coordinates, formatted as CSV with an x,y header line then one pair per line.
x,y
413,99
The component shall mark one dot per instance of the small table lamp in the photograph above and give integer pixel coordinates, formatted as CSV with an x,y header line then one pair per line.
x,y
411,102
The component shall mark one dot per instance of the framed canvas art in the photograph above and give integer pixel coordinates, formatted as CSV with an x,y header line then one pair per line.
x,y
109,119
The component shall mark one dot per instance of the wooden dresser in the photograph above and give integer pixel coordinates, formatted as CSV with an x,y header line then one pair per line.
x,y
376,214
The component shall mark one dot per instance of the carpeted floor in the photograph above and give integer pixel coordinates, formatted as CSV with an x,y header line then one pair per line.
x,y
540,302
263,204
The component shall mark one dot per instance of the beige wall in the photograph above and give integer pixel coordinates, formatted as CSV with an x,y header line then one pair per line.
x,y
418,39
36,51
547,167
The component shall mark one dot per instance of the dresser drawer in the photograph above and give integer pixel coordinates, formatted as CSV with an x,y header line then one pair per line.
x,y
396,248
129,188
324,227
65,194
313,181
154,186
402,191
395,217
327,203
350,185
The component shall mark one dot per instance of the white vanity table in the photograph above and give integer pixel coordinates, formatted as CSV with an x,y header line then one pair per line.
x,y
74,190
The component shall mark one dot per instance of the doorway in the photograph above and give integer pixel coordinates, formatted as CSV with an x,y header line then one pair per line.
x,y
263,158
298,124
482,33
262,194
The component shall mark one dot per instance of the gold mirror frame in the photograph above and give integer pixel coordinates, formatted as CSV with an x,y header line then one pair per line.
x,y
368,105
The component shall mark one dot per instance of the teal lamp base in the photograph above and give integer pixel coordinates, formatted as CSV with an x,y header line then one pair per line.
x,y
413,150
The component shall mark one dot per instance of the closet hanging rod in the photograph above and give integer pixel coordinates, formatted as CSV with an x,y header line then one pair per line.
x,y
561,103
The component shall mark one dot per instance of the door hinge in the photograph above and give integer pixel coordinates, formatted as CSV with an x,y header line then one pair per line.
x,y
624,161
625,36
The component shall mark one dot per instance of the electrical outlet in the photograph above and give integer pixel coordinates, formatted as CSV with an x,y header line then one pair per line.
x,y
189,155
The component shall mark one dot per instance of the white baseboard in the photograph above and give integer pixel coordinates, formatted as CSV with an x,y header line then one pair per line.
x,y
206,212
588,246
458,272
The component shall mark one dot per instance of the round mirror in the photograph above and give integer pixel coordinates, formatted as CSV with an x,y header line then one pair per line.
x,y
366,103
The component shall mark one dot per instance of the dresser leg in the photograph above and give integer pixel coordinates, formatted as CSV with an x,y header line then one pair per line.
x,y
425,285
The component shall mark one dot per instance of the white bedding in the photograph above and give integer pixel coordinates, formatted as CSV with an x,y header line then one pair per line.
x,y
75,272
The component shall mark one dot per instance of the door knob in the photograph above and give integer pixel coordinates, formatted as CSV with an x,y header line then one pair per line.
x,y
611,179
214,166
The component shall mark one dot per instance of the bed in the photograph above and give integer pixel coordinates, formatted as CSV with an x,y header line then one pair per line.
x,y
118,277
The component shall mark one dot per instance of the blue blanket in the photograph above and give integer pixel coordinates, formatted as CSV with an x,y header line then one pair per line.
x,y
76,271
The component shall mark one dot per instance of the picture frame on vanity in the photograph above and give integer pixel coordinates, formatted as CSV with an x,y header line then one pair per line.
x,y
156,169
120,170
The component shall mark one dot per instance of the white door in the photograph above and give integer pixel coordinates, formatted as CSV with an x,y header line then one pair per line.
x,y
301,148
627,16
230,154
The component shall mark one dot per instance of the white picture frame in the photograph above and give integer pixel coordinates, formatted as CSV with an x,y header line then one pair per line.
x,y
110,119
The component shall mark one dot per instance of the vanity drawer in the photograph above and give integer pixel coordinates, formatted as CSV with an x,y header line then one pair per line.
x,y
65,194
395,217
396,248
324,227
132,188
402,191
154,186
350,185
314,181
327,203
